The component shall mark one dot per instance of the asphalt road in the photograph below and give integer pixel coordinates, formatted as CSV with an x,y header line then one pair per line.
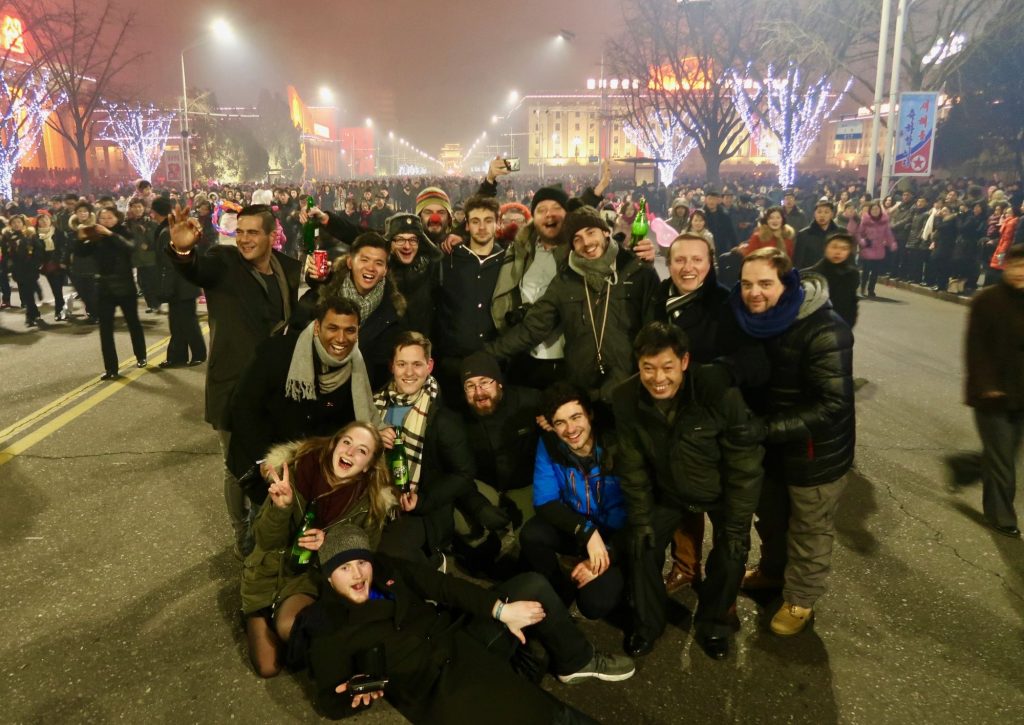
x,y
120,594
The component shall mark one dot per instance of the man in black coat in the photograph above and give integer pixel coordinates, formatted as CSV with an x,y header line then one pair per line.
x,y
187,346
678,455
447,648
309,383
843,277
807,423
719,223
810,241
251,291
413,264
995,388
438,459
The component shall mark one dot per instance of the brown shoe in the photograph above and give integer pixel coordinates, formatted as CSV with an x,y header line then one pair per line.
x,y
791,619
676,579
756,579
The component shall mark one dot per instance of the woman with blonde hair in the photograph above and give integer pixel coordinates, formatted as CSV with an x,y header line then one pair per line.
x,y
315,485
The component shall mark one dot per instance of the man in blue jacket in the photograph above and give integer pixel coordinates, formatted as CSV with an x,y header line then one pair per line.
x,y
579,506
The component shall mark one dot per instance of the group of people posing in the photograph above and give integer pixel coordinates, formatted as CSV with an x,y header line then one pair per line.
x,y
546,411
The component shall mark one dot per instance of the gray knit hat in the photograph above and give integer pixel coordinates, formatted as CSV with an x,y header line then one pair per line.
x,y
343,544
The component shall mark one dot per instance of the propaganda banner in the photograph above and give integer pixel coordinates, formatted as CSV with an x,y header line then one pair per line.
x,y
915,134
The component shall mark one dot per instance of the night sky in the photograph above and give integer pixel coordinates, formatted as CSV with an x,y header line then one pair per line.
x,y
450,63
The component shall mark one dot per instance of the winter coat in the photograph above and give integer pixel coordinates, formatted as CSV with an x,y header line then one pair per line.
x,y
416,282
518,258
25,254
81,265
1006,240
240,315
843,282
785,240
504,443
173,286
916,239
808,401
721,227
692,463
811,242
144,235
874,236
113,257
261,415
970,231
465,288
268,574
438,673
568,497
995,349
900,219
564,306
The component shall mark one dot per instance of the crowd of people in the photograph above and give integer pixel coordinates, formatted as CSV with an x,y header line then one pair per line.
x,y
492,375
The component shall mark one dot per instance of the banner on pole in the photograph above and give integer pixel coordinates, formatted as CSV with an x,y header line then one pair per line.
x,y
915,134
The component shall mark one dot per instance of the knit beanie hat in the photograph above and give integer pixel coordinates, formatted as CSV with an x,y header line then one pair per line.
x,y
343,544
433,195
553,193
515,206
585,218
483,364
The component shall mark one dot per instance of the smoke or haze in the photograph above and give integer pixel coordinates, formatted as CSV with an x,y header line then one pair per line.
x,y
440,69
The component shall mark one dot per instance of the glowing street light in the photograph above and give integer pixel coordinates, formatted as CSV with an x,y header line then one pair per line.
x,y
369,123
326,94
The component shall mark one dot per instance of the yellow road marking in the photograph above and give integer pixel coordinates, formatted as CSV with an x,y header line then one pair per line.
x,y
105,391
37,415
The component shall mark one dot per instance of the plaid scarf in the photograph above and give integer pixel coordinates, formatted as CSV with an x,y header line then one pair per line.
x,y
414,427
369,302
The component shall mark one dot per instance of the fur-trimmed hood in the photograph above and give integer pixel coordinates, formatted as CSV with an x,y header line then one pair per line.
x,y
765,233
285,453
74,223
340,267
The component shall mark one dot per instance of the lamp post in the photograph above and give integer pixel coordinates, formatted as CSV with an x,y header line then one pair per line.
x,y
220,27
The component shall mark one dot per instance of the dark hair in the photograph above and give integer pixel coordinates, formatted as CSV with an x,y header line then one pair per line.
x,y
136,200
105,200
654,337
482,202
411,338
1014,254
143,184
330,300
769,211
112,210
844,237
561,393
264,212
84,205
369,239
775,257
71,197
825,203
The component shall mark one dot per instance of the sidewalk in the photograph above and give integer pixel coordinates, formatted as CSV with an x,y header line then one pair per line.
x,y
927,291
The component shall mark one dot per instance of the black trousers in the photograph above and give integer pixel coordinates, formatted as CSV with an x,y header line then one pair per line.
x,y
130,310
85,286
724,571
5,287
540,543
869,275
185,333
27,287
149,283
1001,435
531,372
56,280
914,269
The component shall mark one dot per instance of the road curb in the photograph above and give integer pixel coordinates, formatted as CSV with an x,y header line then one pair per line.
x,y
925,291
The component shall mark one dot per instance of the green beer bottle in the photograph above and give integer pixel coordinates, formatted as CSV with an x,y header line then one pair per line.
x,y
399,464
309,229
300,556
640,225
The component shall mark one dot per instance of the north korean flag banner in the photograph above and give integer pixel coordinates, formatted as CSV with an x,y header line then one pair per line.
x,y
915,134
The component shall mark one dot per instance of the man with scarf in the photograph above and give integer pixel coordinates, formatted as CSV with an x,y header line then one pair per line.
x,y
438,456
617,291
413,263
362,276
299,386
250,293
808,427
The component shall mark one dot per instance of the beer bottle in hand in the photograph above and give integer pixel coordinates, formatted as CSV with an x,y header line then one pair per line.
x,y
301,556
310,230
640,225
399,464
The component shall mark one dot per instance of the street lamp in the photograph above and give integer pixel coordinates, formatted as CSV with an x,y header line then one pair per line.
x,y
326,95
220,29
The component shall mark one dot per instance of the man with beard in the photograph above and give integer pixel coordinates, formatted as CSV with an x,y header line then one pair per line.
x,y
250,293
413,263
615,290
466,280
434,209
811,240
299,386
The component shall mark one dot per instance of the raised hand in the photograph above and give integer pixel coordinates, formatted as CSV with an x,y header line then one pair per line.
x,y
185,230
496,168
645,250
280,489
606,177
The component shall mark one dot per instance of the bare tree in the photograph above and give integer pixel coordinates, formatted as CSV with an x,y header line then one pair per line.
x,y
681,54
82,47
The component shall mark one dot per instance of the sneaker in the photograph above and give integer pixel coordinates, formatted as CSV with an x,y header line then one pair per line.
x,y
757,579
607,667
791,619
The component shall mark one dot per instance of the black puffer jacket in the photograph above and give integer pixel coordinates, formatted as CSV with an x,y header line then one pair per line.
x,y
693,463
113,258
808,401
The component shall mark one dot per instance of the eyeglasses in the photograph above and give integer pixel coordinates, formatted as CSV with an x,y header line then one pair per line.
x,y
473,387
406,240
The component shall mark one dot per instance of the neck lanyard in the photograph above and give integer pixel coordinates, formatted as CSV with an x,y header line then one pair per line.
x,y
598,341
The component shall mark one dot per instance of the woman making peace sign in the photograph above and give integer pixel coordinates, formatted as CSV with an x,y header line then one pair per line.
x,y
323,482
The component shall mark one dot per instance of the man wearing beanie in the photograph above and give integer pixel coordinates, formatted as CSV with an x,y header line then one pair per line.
x,y
434,209
617,293
413,265
442,665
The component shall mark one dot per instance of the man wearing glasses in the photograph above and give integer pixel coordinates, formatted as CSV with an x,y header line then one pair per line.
x,y
413,264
